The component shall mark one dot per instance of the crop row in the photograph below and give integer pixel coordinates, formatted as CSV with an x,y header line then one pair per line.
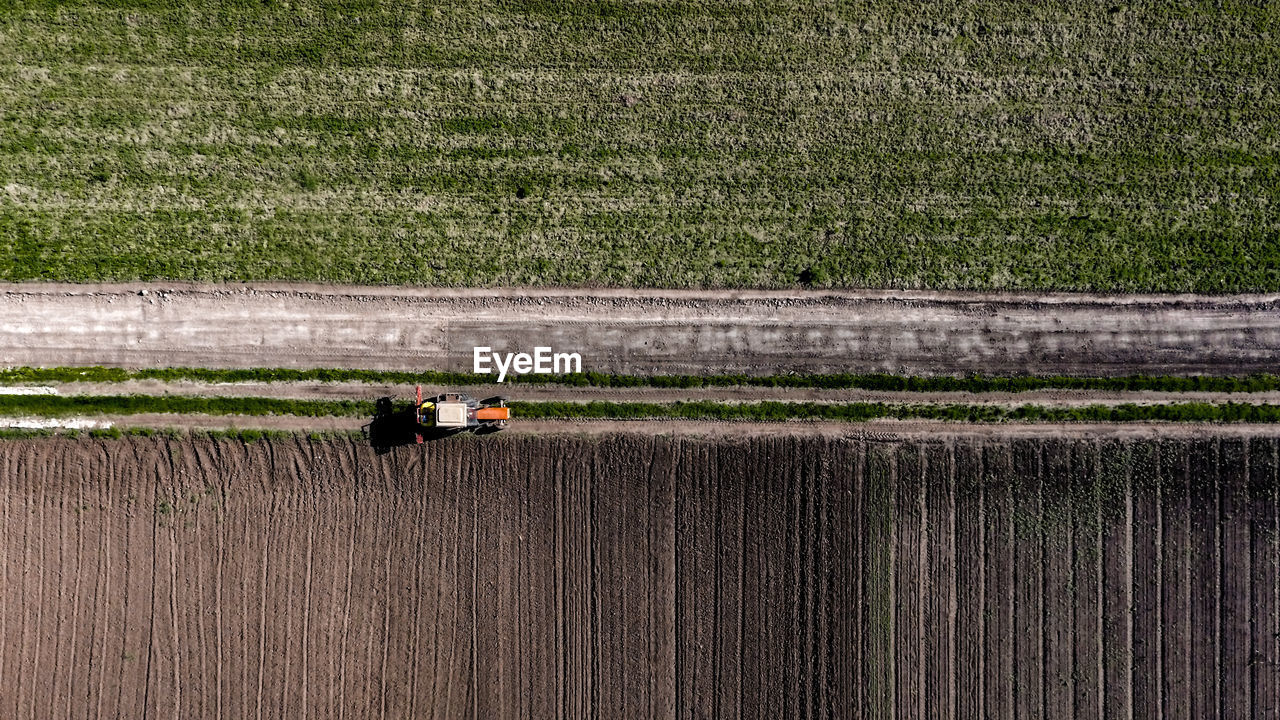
x,y
394,248
769,36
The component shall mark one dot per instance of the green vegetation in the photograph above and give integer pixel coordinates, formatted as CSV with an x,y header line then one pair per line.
x,y
975,384
858,412
67,405
24,433
1002,145
247,436
63,406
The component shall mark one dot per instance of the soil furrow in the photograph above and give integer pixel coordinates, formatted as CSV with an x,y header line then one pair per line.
x,y
908,490
533,576
1146,574
1235,582
1264,536
1175,580
1206,574
1117,581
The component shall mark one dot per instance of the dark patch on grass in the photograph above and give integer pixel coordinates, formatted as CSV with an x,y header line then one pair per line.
x,y
308,180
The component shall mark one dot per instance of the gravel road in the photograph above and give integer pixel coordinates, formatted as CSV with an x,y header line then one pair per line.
x,y
642,332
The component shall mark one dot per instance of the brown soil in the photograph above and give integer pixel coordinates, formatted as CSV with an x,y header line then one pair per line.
x,y
634,575
639,332
879,429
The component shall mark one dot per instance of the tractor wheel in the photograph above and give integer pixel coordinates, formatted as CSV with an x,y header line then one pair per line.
x,y
495,400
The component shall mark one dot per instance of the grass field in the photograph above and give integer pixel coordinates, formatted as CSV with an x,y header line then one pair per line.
x,y
989,146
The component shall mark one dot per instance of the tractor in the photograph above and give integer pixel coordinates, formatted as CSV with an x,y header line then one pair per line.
x,y
456,412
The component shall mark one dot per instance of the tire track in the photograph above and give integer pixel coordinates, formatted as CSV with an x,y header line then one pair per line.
x,y
99,627
179,681
1000,661
970,629
57,688
306,616
906,593
47,572
1057,627
42,570
939,594
1146,539
1117,580
262,618
1028,568
73,666
1206,573
219,586
1264,535
1175,580
1235,582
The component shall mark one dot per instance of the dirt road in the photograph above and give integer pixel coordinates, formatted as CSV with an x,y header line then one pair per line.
x,y
559,393
640,332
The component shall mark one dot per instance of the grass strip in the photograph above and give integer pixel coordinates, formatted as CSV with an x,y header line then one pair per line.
x,y
859,412
61,406
840,381
248,435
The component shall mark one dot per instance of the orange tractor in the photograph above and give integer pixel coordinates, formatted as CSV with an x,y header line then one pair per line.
x,y
455,412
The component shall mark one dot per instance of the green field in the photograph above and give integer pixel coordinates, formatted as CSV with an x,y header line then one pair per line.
x,y
996,145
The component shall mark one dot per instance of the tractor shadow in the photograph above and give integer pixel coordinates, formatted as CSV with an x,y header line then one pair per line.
x,y
390,428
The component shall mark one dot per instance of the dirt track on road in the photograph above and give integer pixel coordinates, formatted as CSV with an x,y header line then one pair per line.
x,y
561,393
639,332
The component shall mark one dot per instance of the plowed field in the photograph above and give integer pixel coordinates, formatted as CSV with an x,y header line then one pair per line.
x,y
630,575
